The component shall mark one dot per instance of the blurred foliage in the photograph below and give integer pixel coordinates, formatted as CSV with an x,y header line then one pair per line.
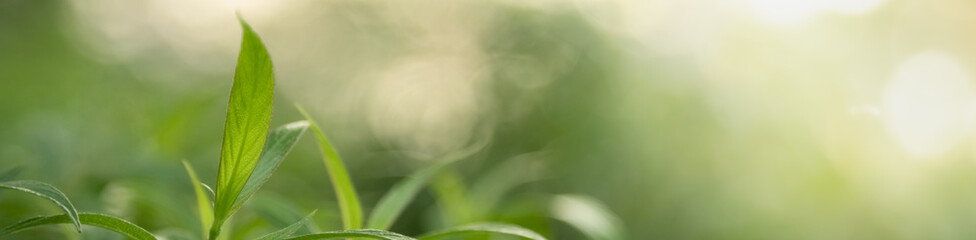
x,y
703,119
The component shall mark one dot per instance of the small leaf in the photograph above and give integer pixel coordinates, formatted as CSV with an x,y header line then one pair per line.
x,y
279,212
48,192
279,143
395,201
92,219
246,126
287,231
204,209
501,228
392,204
588,215
361,233
352,212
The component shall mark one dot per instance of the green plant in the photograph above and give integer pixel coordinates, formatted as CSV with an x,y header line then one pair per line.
x,y
249,155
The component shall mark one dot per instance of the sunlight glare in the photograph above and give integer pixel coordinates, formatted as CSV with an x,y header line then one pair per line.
x,y
853,6
785,12
588,214
927,104
792,12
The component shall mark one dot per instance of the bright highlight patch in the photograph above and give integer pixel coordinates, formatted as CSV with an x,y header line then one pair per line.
x,y
853,6
927,104
791,12
588,215
785,12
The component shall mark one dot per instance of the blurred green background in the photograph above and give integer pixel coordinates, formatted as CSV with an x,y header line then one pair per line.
x,y
702,119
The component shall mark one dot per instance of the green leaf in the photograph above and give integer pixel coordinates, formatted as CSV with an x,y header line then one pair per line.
x,y
287,231
349,207
246,126
279,143
203,202
492,186
453,199
392,204
587,215
361,233
501,228
92,219
48,192
279,212
395,201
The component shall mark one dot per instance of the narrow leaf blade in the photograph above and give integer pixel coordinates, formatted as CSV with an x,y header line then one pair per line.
x,y
451,194
204,208
287,231
349,206
361,233
279,212
501,228
48,192
246,126
587,215
92,219
396,200
279,143
492,186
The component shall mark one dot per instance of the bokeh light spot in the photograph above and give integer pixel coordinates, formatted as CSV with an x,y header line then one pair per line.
x,y
927,104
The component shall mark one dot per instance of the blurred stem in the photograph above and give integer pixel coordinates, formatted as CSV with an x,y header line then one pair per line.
x,y
451,194
215,230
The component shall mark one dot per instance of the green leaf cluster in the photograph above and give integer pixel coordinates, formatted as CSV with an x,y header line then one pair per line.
x,y
249,155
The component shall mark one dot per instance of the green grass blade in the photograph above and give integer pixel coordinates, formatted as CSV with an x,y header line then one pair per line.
x,y
279,212
48,192
287,231
92,219
587,215
361,233
246,126
493,186
279,143
203,202
453,199
396,200
349,207
501,228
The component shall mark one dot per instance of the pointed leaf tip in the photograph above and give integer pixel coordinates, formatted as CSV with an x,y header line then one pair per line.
x,y
48,192
349,206
246,126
